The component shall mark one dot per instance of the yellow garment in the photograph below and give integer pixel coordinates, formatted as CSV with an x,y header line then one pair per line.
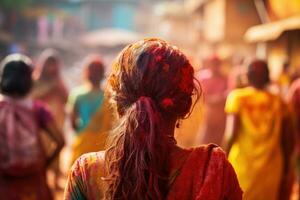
x,y
93,137
256,153
284,80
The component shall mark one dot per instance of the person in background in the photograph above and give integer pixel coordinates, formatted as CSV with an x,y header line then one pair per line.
x,y
23,161
151,88
284,80
237,77
214,84
50,88
258,136
90,115
294,104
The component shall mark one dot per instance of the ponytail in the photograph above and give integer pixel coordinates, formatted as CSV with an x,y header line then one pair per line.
x,y
151,86
137,160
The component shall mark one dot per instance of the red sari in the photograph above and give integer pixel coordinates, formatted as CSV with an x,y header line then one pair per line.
x,y
205,175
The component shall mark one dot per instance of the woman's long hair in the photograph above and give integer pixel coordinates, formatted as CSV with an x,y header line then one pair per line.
x,y
151,84
48,66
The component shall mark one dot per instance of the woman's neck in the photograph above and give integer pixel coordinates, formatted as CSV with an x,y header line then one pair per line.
x,y
259,88
170,127
93,87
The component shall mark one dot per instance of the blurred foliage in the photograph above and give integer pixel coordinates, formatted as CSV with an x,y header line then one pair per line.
x,y
15,4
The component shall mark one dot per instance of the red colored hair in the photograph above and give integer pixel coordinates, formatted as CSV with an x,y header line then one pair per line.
x,y
94,69
151,84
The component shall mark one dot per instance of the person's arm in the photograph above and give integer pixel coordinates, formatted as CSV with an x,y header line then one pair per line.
x,y
74,118
231,131
55,134
47,122
72,109
63,93
232,108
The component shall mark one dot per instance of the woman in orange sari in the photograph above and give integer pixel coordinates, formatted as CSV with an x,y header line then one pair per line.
x,y
151,86
49,88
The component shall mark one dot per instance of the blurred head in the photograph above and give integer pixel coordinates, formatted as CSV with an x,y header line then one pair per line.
x,y
48,67
151,84
286,66
16,76
258,74
94,70
214,63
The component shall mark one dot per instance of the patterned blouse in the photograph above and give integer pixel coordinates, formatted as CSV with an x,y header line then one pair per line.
x,y
206,174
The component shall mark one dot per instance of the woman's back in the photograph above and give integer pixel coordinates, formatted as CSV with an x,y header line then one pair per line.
x,y
198,173
151,87
260,118
257,148
86,102
19,180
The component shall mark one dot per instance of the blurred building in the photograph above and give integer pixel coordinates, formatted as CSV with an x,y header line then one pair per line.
x,y
278,38
59,22
69,18
223,25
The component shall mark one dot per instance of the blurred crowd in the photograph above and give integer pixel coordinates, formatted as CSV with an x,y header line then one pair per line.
x,y
256,120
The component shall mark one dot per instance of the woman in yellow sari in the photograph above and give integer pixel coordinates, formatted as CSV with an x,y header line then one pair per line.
x,y
90,114
254,136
